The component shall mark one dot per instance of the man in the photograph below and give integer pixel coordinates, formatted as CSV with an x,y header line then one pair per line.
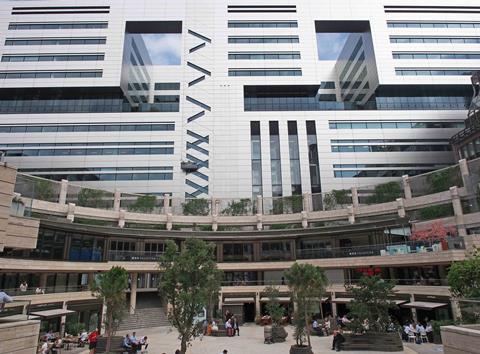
x,y
236,326
127,344
338,339
23,286
92,340
4,298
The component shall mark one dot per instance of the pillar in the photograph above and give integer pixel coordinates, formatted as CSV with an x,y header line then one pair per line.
x,y
91,278
464,171
117,196
62,199
166,203
401,208
305,219
257,305
458,211
413,309
121,218
407,190
259,202
63,321
133,292
334,306
456,311
71,212
351,214
354,192
42,284
306,202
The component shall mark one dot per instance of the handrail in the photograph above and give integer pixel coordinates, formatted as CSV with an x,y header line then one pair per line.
x,y
417,281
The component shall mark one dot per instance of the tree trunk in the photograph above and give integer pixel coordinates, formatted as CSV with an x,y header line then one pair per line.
x,y
108,331
306,327
183,345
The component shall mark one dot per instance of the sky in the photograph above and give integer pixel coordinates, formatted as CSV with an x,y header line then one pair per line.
x,y
164,49
330,45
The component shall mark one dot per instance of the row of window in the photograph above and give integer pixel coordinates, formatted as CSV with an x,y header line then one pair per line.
x,y
374,165
86,128
394,125
433,24
378,173
111,177
379,141
466,40
419,55
95,169
252,40
390,148
49,74
95,143
266,72
90,151
57,25
435,72
56,41
264,56
262,24
56,57
160,86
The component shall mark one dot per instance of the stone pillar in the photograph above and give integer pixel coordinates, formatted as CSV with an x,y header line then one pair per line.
x,y
121,218
259,203
306,202
407,190
305,219
71,212
401,208
334,306
257,305
62,199
117,196
354,192
220,303
166,203
458,211
215,209
456,311
464,171
42,284
351,214
169,224
91,278
413,309
133,292
63,321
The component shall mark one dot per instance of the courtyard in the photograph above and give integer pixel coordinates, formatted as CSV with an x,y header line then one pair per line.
x,y
164,340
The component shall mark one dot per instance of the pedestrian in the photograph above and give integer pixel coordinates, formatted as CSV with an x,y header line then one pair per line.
x,y
92,341
23,286
236,326
338,339
4,299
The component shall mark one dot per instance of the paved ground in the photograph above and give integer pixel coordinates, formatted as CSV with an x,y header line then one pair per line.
x,y
163,340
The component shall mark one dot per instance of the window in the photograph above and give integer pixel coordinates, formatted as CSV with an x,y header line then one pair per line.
x,y
262,24
167,86
395,24
49,74
264,56
266,72
55,41
466,40
275,160
295,174
313,160
256,152
64,57
254,40
56,25
443,55
395,125
434,72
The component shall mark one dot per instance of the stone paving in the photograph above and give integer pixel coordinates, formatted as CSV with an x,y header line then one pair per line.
x,y
250,341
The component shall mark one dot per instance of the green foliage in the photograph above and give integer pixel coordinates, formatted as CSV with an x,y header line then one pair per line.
x,y
306,282
43,189
436,328
199,207
336,197
371,302
436,211
285,226
110,288
293,204
190,279
273,307
240,207
143,204
442,180
92,198
464,277
386,192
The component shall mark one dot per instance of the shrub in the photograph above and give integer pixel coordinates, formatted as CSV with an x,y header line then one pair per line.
x,y
386,192
336,197
196,207
436,211
238,208
144,204
92,198
442,180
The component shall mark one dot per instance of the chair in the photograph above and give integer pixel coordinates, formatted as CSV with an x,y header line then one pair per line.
x,y
424,338
411,337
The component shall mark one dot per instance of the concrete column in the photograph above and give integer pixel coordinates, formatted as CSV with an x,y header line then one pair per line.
x,y
169,225
334,306
121,218
117,196
407,190
305,219
259,202
401,208
458,211
354,192
413,309
464,171
351,214
62,199
91,278
257,305
166,203
63,321
306,202
456,311
71,212
133,292
42,284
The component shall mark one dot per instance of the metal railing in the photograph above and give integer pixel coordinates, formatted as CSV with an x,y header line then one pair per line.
x,y
46,290
417,281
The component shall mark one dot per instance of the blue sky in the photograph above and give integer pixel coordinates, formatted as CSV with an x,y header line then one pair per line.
x,y
330,45
164,49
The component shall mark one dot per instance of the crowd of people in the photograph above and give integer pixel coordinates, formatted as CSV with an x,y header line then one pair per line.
x,y
418,332
231,324
133,344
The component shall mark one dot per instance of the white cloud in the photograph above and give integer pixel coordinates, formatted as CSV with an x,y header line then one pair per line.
x,y
164,49
330,45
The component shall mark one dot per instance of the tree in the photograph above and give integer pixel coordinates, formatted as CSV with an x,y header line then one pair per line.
x,y
240,207
444,179
110,288
92,198
144,204
307,284
386,192
464,277
337,197
43,189
273,307
199,207
189,279
371,302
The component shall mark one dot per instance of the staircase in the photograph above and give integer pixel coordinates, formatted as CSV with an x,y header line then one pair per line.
x,y
149,313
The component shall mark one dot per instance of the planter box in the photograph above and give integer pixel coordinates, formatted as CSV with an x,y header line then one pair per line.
x,y
300,350
380,342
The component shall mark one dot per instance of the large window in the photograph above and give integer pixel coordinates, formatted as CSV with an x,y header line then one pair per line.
x,y
241,252
395,125
275,160
49,74
113,127
256,151
52,57
262,24
253,40
276,251
56,25
263,56
55,41
313,157
294,154
265,72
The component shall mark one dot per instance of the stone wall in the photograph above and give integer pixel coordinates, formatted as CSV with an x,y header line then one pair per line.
x,y
461,340
19,337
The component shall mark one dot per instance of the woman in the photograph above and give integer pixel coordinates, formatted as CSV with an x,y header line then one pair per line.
x,y
92,340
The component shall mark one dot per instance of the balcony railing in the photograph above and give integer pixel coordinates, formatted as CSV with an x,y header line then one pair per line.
x,y
134,256
46,290
417,281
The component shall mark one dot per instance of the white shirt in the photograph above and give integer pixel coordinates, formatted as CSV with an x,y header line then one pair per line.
x,y
421,329
429,328
44,348
315,324
23,287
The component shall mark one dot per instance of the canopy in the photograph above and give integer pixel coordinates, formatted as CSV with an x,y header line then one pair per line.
x,y
238,300
342,300
424,305
280,299
52,313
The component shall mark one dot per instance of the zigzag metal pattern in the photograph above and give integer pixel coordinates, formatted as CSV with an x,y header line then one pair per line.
x,y
199,140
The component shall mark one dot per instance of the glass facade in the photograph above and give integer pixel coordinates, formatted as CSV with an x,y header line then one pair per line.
x,y
436,55
256,151
49,74
71,128
55,41
264,56
275,159
294,154
453,40
262,24
313,161
395,125
56,25
399,24
244,40
435,72
266,72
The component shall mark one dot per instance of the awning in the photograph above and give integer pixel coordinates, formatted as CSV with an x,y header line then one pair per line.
x,y
238,300
280,299
342,300
399,302
52,313
424,305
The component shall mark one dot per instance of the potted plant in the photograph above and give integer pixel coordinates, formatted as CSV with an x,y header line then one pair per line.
x,y
307,283
275,311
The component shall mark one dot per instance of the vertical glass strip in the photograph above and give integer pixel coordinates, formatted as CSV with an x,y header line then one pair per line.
x,y
313,157
294,153
256,148
275,160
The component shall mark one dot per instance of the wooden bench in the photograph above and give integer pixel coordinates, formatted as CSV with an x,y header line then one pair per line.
x,y
116,345
380,342
222,331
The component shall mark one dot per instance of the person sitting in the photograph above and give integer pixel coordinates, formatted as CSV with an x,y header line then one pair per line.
x,y
83,338
338,339
345,321
144,342
327,326
214,327
4,299
44,349
229,328
57,345
316,327
127,344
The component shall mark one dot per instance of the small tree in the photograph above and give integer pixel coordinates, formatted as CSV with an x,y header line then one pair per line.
x,y
92,198
307,283
240,207
199,207
386,192
444,179
464,277
110,288
273,307
189,278
371,302
336,197
43,189
144,204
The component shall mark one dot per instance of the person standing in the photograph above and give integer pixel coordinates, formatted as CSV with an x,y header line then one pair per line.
x,y
23,286
236,326
92,340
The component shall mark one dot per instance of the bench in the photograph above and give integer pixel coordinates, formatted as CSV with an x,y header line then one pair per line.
x,y
222,331
380,342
